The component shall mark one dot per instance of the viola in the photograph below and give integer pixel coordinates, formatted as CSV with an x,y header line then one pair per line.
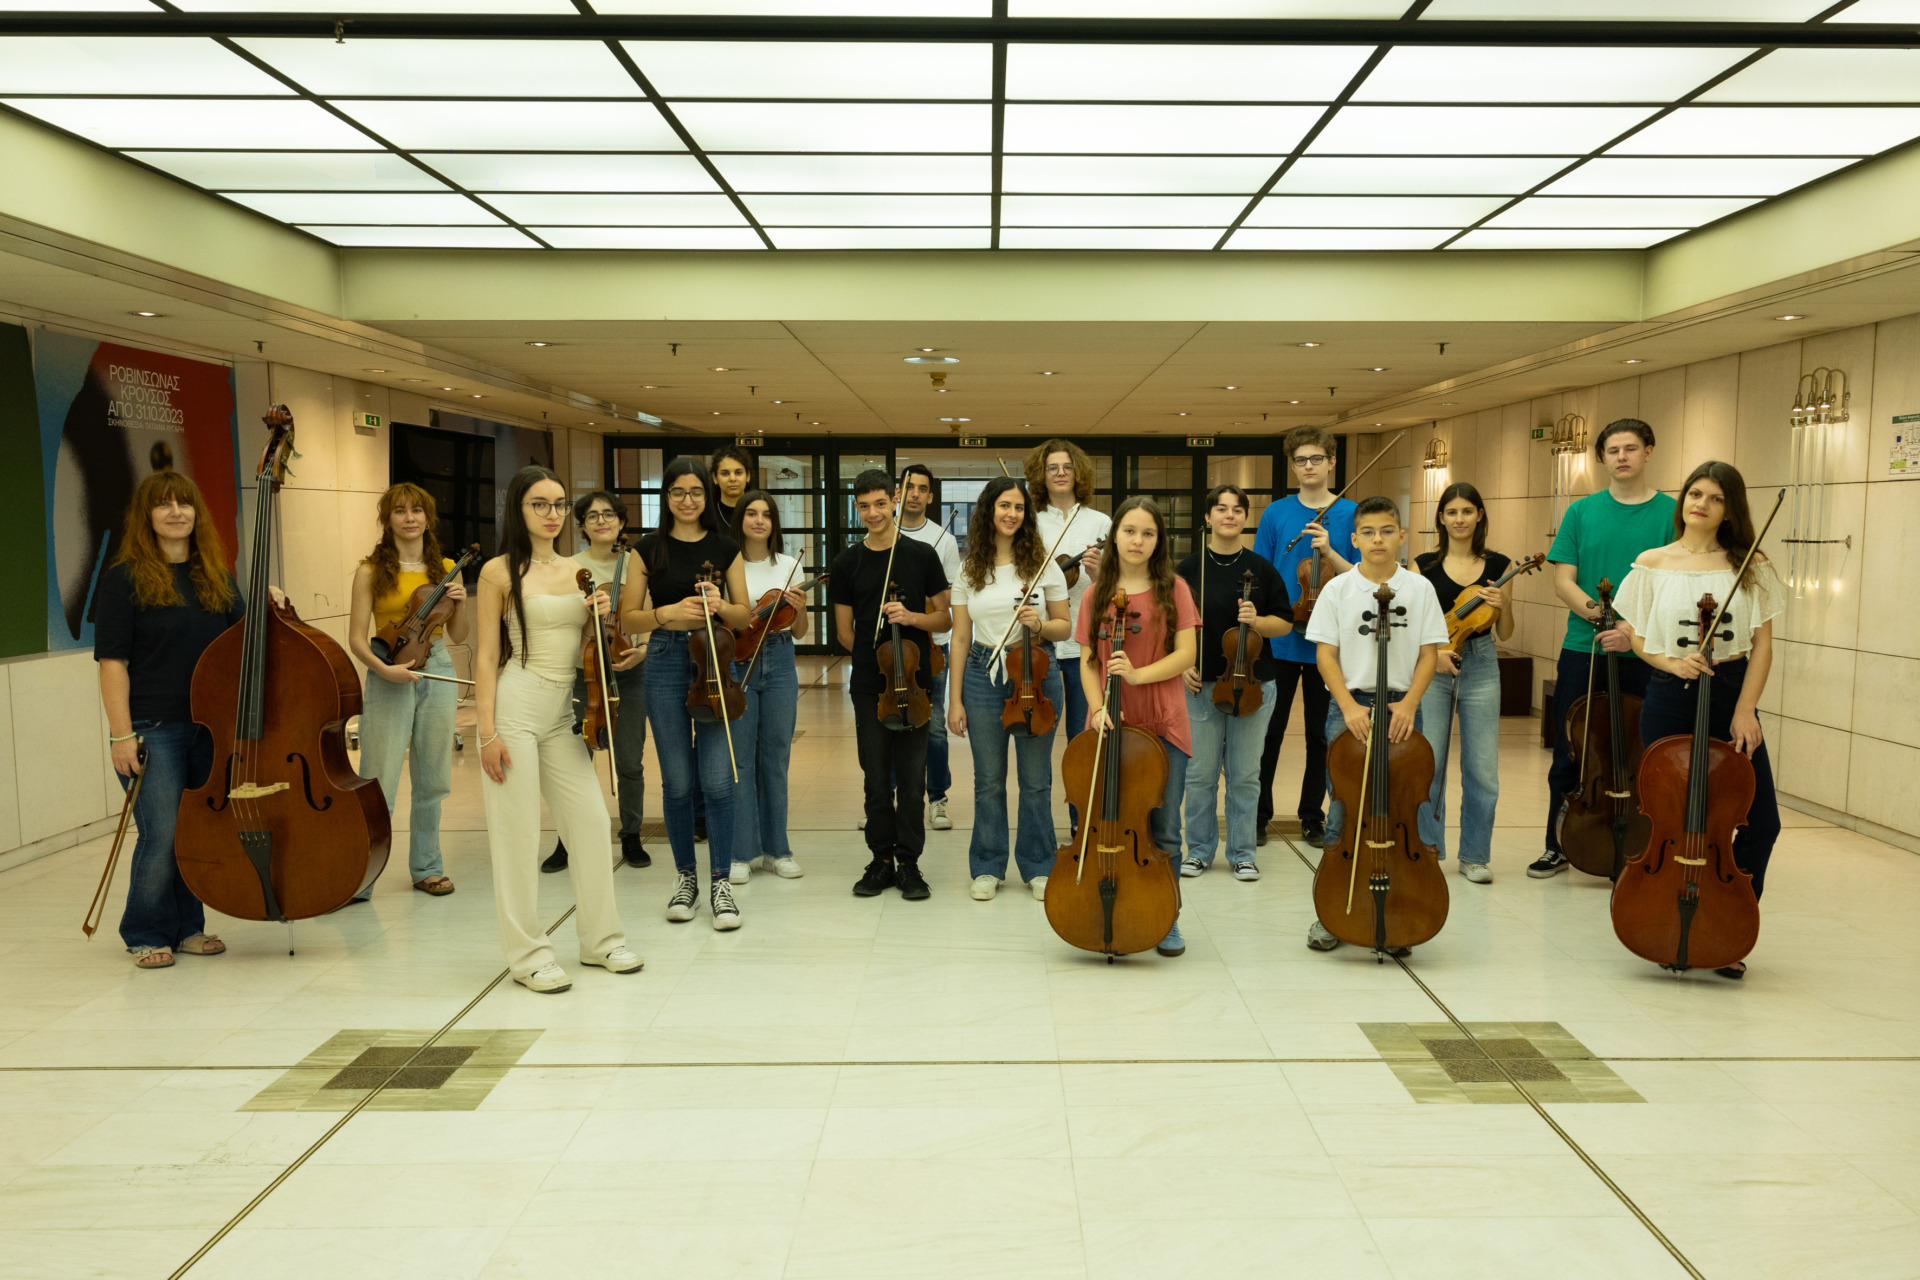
x,y
406,641
1601,824
1379,884
1681,901
1026,706
773,613
1471,615
1236,692
1112,889
283,828
713,694
904,704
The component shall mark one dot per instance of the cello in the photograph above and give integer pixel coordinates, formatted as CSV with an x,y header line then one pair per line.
x,y
904,704
1112,890
283,828
1381,786
1026,707
406,641
1602,823
1236,692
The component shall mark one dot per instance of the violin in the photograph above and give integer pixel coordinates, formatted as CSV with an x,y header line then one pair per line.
x,y
406,641
1601,824
1113,890
1471,615
713,694
1402,901
283,828
1070,565
1236,692
601,648
773,613
1681,901
1026,707
903,704
1311,574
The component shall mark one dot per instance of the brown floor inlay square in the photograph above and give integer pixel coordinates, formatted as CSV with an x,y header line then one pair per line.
x,y
454,1074
1437,1064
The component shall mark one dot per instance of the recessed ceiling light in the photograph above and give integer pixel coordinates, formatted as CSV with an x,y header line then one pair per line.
x,y
449,388
1776,317
779,401
539,344
956,419
927,350
648,386
1179,415
145,315
816,424
1378,368
714,414
932,360
1636,360
477,396
1046,373
373,371
1309,344
1229,388
943,390
1448,404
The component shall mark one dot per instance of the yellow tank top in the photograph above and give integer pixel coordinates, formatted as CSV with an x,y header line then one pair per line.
x,y
393,606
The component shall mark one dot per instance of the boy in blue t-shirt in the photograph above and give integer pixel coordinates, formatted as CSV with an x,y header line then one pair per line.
x,y
1600,536
1309,451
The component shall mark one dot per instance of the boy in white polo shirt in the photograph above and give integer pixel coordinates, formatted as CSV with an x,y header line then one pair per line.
x,y
1346,658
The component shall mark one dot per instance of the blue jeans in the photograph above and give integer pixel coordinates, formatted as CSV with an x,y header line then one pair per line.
x,y
629,742
1337,725
161,910
1235,744
676,740
412,724
763,741
1478,687
939,771
981,694
1070,709
1570,685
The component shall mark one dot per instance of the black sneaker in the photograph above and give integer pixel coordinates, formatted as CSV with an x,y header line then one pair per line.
x,y
633,851
913,885
557,860
879,876
699,830
1313,831
1550,863
686,898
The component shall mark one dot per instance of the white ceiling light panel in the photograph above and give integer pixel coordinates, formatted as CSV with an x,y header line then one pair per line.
x,y
1180,73
1341,239
872,211
880,174
424,237
1372,211
1109,237
808,8
460,7
650,237
1206,8
1140,175
1776,131
430,68
1879,11
880,237
776,69
1120,211
1644,10
1418,175
1476,130
1577,238
619,210
1825,75
75,6
484,172
292,170
1432,73
366,207
255,123
1272,131
127,65
837,126
516,126
1693,176
1595,211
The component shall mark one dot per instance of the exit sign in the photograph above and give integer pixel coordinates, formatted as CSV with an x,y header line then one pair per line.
x,y
1199,442
1539,433
369,419
973,442
748,441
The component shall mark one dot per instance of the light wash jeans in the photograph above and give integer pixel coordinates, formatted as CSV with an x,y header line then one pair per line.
x,y
982,693
1233,744
412,724
1070,710
161,910
687,750
1479,706
1337,725
763,742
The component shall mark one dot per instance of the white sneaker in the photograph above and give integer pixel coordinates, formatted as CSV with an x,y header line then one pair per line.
x,y
1245,871
984,887
686,897
725,914
863,824
1190,869
1476,872
739,872
786,869
618,960
941,822
547,979
1039,886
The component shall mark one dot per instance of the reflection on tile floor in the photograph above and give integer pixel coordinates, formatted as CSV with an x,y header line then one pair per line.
x,y
1493,1062
399,1069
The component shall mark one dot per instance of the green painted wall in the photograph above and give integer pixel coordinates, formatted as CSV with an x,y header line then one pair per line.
x,y
23,623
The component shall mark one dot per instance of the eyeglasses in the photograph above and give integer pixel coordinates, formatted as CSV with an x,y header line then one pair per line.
x,y
602,517
1311,460
1060,469
541,507
685,495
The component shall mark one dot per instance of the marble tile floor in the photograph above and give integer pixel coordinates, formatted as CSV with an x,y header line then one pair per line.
x,y
848,1088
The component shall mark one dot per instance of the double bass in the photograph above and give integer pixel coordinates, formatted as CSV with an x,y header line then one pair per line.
x,y
406,641
1402,900
1026,706
1601,824
1236,692
1112,889
283,828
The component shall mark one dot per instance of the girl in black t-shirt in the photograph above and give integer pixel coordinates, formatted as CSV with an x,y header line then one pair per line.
x,y
1469,680
670,558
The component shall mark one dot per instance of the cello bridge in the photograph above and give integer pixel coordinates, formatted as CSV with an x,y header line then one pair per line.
x,y
1380,844
1689,862
254,791
1110,848
1619,795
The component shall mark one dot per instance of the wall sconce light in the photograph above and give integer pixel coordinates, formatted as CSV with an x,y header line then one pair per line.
x,y
1569,453
1821,410
1434,468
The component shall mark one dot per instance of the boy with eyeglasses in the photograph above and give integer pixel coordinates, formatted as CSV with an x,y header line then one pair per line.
x,y
1060,487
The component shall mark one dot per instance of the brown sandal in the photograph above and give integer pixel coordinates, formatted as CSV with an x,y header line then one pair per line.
x,y
201,944
438,886
152,957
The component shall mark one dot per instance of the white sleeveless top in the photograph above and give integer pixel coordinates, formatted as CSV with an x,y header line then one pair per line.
x,y
555,625
1658,601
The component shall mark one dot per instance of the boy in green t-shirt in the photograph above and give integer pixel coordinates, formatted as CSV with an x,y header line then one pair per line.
x,y
1599,537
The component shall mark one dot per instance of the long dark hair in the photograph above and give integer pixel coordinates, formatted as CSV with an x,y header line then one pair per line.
x,y
653,548
516,545
1736,532
1029,553
385,559
1159,567
1458,489
776,544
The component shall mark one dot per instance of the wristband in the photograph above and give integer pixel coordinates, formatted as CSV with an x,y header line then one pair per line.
x,y
123,737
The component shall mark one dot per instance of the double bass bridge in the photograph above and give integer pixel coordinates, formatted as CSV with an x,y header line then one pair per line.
x,y
254,791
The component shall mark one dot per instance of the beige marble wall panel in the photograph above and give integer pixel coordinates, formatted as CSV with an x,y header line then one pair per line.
x,y
1816,683
1544,413
1884,705
1613,401
1891,550
1763,436
316,429
1853,351
1489,449
1516,423
1463,450
1713,392
1663,402
1833,614
408,407
1784,654
584,447
1896,378
59,779
1816,762
308,560
365,453
1880,784
9,784
1773,732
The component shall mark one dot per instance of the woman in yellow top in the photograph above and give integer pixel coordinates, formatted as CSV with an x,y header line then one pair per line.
x,y
401,710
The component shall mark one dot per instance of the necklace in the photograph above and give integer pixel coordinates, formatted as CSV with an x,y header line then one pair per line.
x,y
1219,559
413,564
1700,551
552,559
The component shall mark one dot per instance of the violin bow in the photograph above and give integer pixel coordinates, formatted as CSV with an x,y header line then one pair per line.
x,y
1740,575
608,699
719,685
1000,648
886,579
763,639
1321,514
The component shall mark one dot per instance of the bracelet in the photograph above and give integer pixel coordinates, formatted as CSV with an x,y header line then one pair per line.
x,y
122,738
657,624
492,737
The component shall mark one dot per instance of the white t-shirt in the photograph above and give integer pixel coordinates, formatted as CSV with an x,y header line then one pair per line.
x,y
769,575
1337,620
1089,526
990,609
947,547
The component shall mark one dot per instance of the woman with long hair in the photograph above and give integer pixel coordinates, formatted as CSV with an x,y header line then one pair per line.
x,y
404,718
1713,531
533,620
167,595
1149,662
1468,680
763,737
1002,580
672,559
